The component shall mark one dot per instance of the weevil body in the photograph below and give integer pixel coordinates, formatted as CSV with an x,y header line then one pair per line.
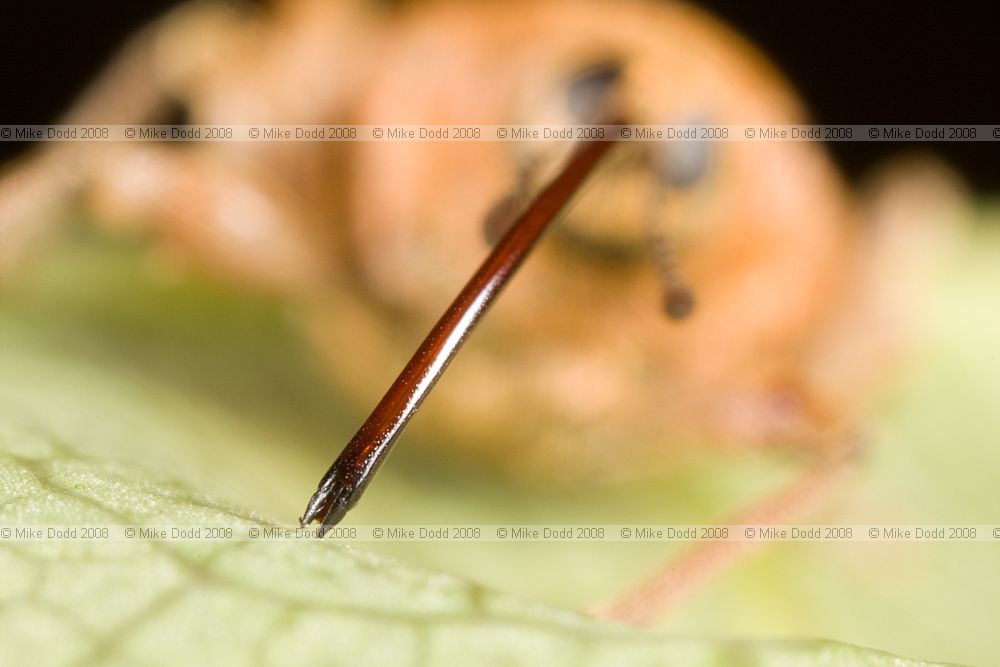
x,y
579,369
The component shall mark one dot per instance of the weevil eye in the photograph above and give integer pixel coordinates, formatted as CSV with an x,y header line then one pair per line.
x,y
176,112
590,88
681,164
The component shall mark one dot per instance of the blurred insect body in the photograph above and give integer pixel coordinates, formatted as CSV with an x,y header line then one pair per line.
x,y
372,238
780,303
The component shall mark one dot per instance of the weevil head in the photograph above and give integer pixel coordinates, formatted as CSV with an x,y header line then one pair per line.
x,y
593,337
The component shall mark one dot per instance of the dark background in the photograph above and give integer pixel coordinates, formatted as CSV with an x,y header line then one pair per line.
x,y
890,63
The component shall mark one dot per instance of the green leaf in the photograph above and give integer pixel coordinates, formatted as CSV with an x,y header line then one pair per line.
x,y
85,441
271,603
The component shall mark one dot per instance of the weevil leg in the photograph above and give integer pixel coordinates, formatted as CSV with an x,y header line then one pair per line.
x,y
666,586
221,216
913,209
39,190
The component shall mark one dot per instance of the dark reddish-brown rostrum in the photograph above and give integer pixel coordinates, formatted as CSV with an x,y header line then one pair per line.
x,y
345,481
